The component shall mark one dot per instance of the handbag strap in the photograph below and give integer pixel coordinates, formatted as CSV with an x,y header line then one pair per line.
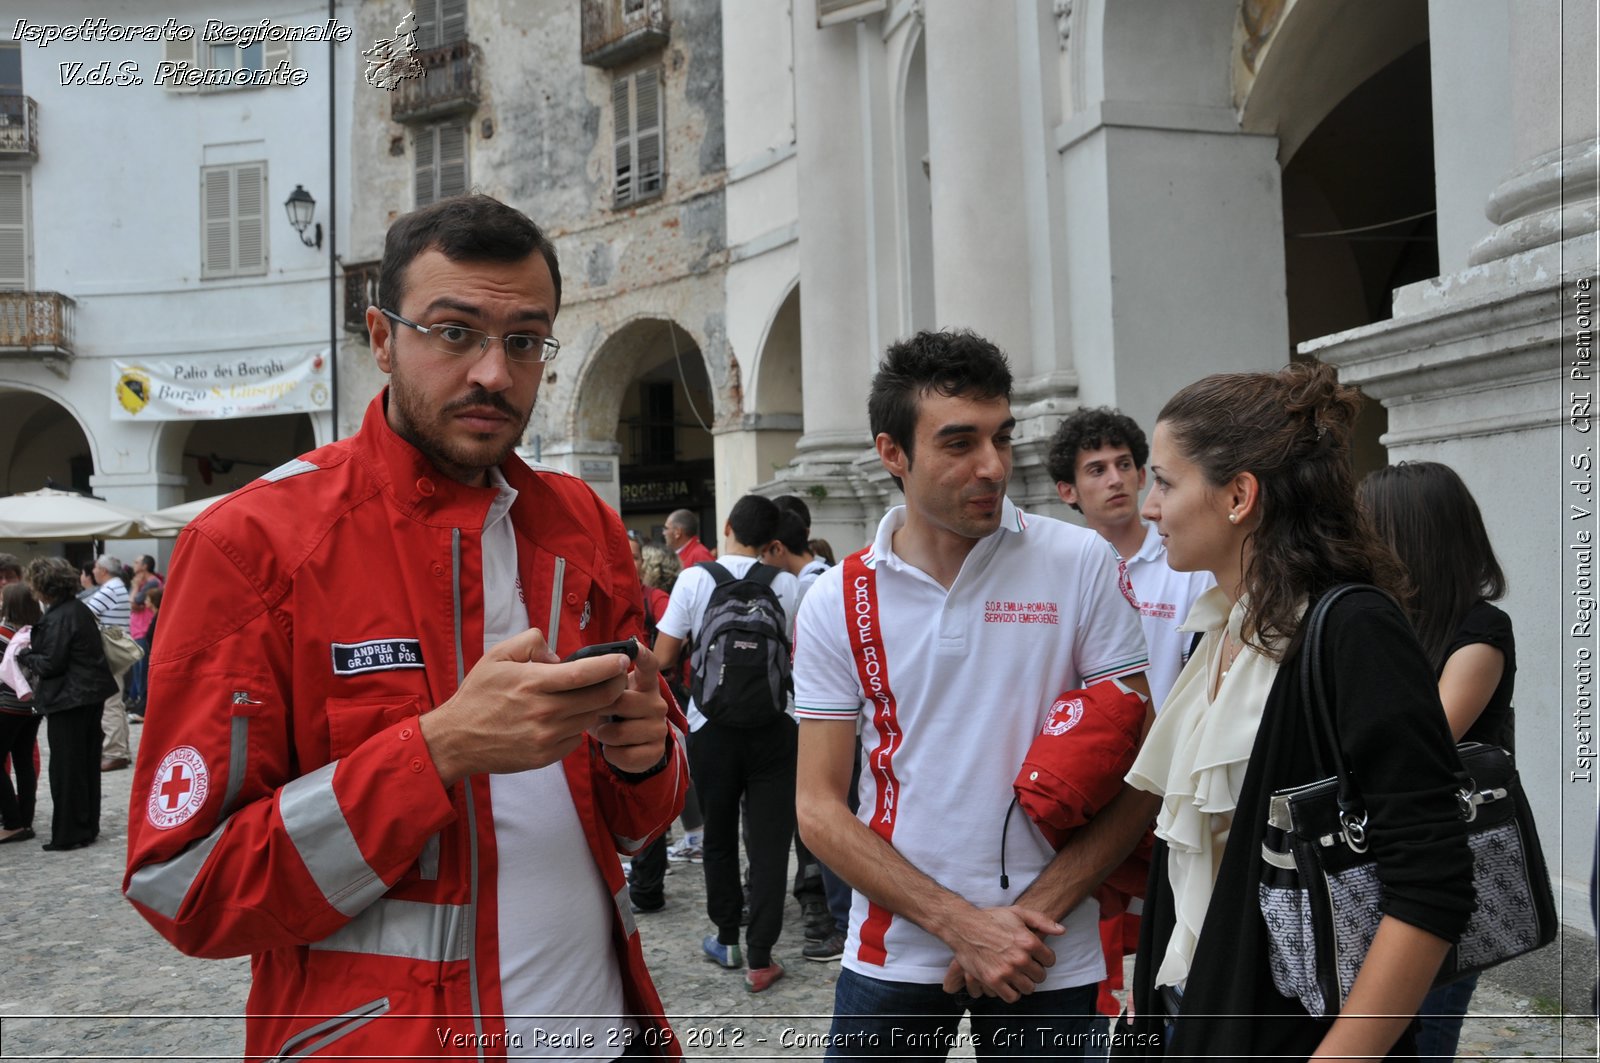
x,y
1314,696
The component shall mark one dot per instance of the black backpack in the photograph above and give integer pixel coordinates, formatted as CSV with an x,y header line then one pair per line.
x,y
740,663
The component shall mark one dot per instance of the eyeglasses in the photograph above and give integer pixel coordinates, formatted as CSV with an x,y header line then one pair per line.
x,y
460,341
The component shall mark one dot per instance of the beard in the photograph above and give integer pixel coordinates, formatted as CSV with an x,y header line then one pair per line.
x,y
461,457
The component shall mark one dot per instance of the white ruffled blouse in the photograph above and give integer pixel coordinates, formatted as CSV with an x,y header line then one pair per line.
x,y
1195,757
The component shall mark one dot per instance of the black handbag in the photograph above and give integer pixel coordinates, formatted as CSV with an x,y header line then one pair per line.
x,y
1319,889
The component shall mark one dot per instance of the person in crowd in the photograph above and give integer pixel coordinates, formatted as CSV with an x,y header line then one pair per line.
x,y
371,768
682,533
10,569
66,663
660,573
754,763
950,687
1252,483
1097,459
145,579
112,607
1424,511
87,583
823,549
826,914
19,724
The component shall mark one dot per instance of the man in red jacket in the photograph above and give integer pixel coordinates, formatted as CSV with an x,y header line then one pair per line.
x,y
372,772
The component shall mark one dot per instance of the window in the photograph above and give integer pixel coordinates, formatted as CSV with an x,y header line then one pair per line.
x,y
14,231
441,162
235,57
233,224
658,427
636,111
441,22
10,68
223,58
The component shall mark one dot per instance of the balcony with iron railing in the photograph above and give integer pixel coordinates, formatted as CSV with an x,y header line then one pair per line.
x,y
36,325
360,292
19,128
617,31
448,85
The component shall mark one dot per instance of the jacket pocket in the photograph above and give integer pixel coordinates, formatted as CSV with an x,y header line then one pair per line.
x,y
315,1038
351,721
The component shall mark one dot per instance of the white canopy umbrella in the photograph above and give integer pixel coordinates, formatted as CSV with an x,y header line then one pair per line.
x,y
170,520
50,514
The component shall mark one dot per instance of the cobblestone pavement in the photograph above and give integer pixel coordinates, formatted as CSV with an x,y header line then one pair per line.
x,y
85,978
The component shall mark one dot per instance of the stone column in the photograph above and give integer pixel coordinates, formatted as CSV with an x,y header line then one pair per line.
x,y
844,219
1490,370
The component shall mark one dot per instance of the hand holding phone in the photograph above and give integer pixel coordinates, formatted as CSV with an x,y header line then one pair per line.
x,y
630,647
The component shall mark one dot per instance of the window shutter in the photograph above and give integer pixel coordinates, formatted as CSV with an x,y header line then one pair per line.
x,y
425,184
452,21
624,140
452,160
647,136
429,24
13,231
273,53
250,193
216,199
182,53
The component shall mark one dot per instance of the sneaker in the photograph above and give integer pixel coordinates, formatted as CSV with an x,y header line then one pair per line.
x,y
726,955
822,951
643,909
760,979
688,851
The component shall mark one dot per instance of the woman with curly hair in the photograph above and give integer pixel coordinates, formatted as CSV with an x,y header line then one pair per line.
x,y
1252,482
72,682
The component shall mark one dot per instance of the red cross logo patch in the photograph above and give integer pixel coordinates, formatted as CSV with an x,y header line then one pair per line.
x,y
179,788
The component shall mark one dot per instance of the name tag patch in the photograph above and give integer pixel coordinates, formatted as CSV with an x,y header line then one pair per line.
x,y
376,655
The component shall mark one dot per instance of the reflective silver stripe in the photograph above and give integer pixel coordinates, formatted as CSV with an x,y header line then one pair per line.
x,y
428,862
321,835
625,911
340,1026
162,887
288,469
412,930
472,815
238,749
628,845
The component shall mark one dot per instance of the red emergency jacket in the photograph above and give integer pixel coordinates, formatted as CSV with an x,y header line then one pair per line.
x,y
285,803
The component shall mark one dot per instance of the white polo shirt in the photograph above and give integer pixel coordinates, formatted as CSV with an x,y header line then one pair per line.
x,y
1035,610
1165,598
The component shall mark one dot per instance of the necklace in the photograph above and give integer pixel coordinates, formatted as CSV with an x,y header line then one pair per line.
x,y
1230,650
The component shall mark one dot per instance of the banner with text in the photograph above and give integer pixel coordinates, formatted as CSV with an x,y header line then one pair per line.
x,y
208,387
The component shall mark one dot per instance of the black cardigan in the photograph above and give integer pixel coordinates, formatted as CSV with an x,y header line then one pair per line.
x,y
1396,742
70,660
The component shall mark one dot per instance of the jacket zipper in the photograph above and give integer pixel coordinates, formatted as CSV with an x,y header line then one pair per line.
x,y
472,815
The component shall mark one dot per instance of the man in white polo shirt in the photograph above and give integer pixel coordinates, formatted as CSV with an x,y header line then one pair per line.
x,y
950,637
1097,460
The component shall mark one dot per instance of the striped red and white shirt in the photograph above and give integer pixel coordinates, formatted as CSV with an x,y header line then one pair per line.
x,y
954,688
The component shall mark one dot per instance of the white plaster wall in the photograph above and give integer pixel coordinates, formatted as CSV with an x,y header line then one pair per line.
x,y
764,205
756,289
758,79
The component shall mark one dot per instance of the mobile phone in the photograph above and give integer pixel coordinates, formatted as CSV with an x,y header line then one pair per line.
x,y
627,646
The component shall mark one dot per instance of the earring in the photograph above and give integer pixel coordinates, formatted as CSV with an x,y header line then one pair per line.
x,y
1233,518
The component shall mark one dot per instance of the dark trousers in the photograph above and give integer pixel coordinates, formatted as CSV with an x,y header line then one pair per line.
x,y
647,883
758,763
17,735
75,741
876,1019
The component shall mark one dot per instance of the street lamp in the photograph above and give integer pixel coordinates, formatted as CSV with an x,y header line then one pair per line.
x,y
302,208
